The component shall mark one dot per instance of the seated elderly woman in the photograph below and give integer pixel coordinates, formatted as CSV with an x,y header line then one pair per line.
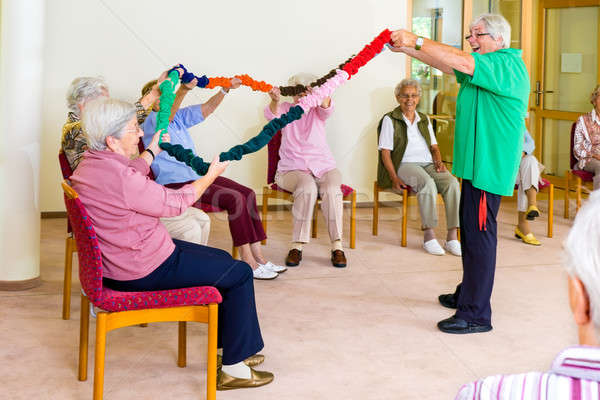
x,y
528,179
587,139
307,169
193,225
125,207
409,155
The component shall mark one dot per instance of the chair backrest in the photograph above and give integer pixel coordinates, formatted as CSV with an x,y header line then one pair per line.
x,y
88,248
65,168
573,160
273,151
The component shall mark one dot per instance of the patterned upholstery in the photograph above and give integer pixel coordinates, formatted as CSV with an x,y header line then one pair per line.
x,y
584,175
273,156
90,274
66,170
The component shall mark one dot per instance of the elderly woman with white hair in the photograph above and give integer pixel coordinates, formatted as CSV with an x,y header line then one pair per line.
x,y
193,225
587,139
409,155
138,254
307,169
488,139
574,373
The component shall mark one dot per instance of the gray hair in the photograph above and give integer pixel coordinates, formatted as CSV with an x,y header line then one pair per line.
x,y
594,95
302,79
105,117
407,83
83,90
497,26
583,252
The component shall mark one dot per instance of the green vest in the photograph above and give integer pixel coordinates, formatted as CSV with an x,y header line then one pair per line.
x,y
400,141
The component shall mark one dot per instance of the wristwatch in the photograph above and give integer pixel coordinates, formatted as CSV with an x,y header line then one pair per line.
x,y
419,43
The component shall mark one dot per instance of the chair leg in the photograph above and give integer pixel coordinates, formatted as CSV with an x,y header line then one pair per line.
x,y
375,209
314,219
265,211
182,345
566,205
211,366
69,249
234,252
84,333
550,210
353,221
404,215
99,355
579,184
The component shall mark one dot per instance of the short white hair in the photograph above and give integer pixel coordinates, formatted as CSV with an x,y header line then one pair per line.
x,y
105,117
407,83
497,26
84,89
302,79
582,256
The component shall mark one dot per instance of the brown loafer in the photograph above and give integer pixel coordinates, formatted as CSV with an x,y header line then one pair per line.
x,y
338,258
293,258
257,378
251,361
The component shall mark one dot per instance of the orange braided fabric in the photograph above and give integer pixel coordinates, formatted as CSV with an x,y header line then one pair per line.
x,y
261,86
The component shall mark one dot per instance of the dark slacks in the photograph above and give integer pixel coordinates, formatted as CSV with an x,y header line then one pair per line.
x,y
240,203
192,264
478,254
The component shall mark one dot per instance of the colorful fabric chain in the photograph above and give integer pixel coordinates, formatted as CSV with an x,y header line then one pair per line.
x,y
167,97
305,103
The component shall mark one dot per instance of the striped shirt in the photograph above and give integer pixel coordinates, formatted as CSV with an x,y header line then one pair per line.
x,y
575,375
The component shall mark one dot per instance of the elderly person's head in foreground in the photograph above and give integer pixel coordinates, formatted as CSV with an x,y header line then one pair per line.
x,y
488,33
408,95
82,91
583,265
111,124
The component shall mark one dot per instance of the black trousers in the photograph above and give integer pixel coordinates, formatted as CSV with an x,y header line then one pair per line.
x,y
478,241
192,264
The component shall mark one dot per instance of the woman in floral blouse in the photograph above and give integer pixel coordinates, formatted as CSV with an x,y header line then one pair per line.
x,y
587,139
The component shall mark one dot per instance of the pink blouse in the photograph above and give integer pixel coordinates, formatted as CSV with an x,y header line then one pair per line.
x,y
125,205
587,138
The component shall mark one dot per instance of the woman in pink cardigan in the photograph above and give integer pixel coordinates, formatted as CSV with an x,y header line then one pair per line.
x,y
138,253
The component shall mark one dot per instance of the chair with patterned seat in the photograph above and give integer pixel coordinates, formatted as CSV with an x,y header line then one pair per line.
x,y
272,191
121,309
206,207
70,245
579,177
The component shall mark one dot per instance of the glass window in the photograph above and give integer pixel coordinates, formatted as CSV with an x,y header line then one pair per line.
x,y
510,9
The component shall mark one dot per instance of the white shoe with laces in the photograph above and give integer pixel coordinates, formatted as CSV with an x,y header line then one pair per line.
x,y
263,273
453,247
433,247
273,267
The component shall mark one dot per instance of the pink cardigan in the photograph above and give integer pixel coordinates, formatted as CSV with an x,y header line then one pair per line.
x,y
125,205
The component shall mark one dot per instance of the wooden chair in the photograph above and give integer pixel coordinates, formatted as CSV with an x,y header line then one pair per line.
x,y
579,177
120,309
70,245
272,191
207,208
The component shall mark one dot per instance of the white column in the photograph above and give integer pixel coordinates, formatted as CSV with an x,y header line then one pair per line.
x,y
21,55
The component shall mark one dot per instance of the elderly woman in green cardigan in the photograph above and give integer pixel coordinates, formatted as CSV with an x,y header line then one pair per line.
x,y
409,155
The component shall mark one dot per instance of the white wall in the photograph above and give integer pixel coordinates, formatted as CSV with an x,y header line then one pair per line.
x,y
131,42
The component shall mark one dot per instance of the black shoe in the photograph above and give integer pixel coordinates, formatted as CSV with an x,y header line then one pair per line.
x,y
460,326
448,300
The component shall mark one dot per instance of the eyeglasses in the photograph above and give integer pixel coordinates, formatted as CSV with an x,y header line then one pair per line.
x,y
134,129
476,35
409,96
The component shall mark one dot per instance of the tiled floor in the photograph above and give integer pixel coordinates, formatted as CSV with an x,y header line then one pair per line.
x,y
363,332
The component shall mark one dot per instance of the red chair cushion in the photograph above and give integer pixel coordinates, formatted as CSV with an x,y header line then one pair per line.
x,y
113,300
346,190
584,175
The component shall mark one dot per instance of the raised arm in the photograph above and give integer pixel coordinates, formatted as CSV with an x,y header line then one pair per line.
x,y
438,55
211,105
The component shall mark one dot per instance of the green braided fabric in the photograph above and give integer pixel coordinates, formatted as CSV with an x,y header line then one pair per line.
x,y
167,97
235,153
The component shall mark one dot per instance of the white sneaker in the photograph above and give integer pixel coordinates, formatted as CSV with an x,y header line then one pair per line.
x,y
264,274
269,266
453,247
433,247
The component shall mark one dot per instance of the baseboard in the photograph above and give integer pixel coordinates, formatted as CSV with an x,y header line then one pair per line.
x,y
54,214
20,285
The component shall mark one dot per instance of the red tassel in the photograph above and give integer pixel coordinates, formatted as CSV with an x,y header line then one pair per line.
x,y
483,212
